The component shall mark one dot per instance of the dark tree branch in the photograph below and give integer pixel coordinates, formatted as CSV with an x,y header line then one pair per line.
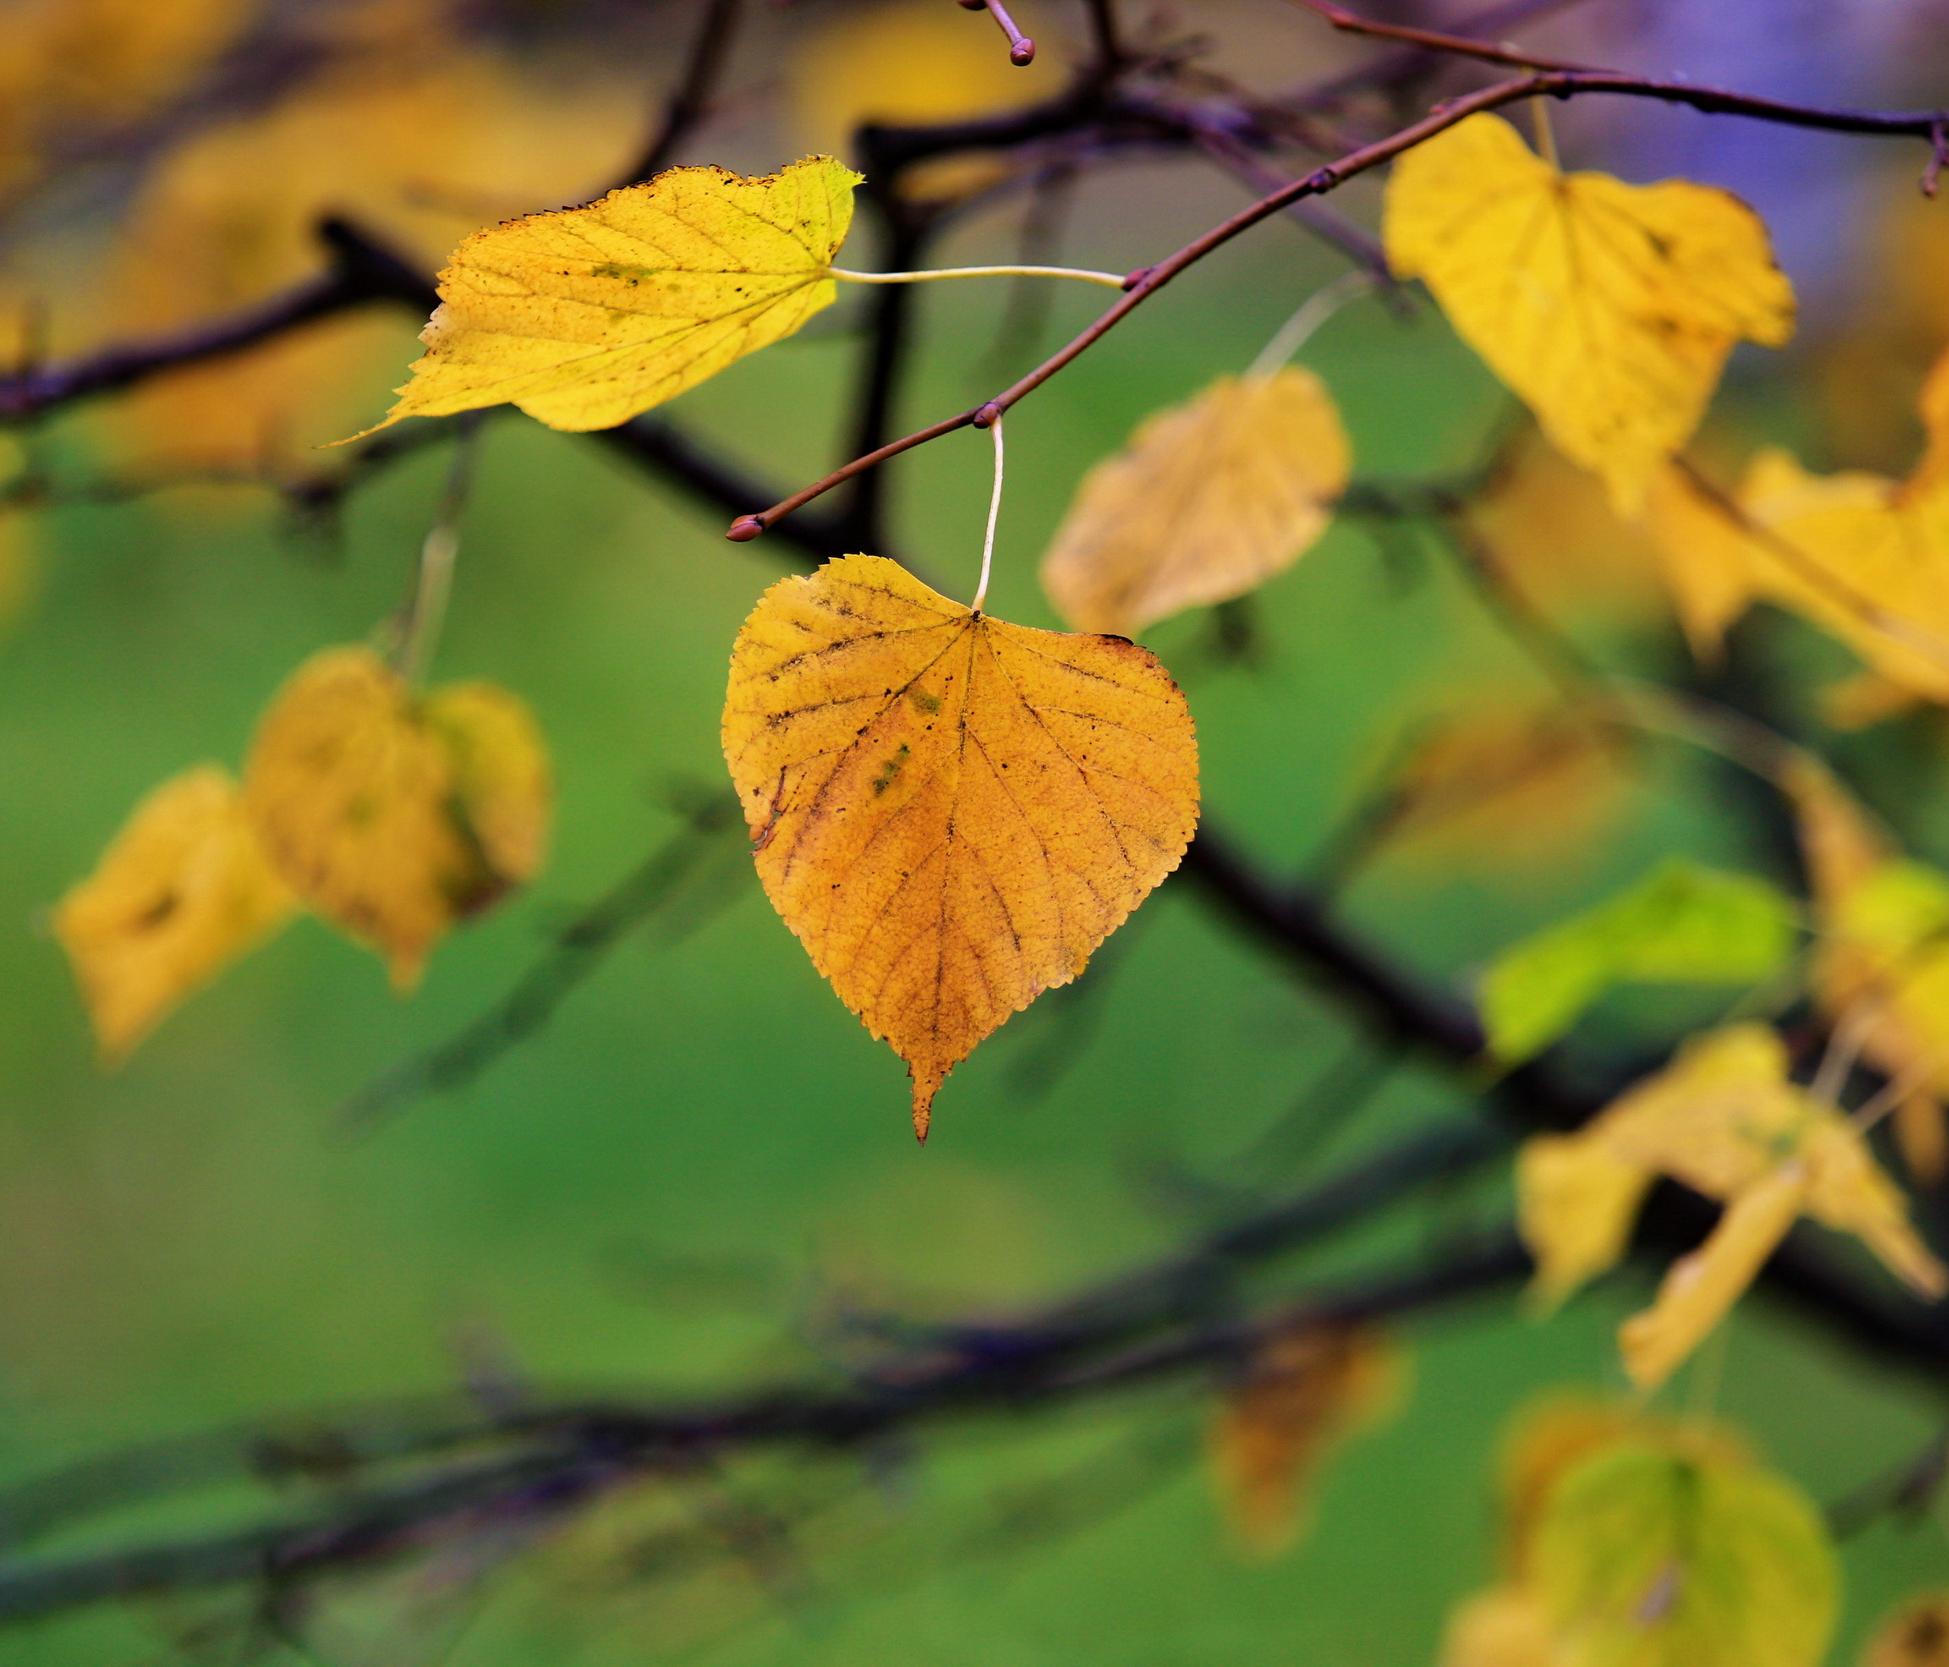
x,y
690,100
1147,281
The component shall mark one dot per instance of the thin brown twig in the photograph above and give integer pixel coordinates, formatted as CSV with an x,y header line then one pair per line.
x,y
1147,281
1021,50
1434,40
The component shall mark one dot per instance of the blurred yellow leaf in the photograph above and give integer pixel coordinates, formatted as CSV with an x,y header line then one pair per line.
x,y
1610,308
69,67
1506,785
1705,554
1699,1290
585,317
1577,1203
1649,1557
1554,1435
1503,1627
1931,471
1916,1635
1724,1119
1207,501
183,890
1301,1394
230,217
1881,957
950,812
395,815
1556,537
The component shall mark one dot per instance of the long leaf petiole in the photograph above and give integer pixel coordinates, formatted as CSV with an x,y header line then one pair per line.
x,y
1108,280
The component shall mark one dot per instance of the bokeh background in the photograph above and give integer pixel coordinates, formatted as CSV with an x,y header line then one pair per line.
x,y
702,1161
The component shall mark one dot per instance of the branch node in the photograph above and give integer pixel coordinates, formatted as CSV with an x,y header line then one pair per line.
x,y
986,416
1133,279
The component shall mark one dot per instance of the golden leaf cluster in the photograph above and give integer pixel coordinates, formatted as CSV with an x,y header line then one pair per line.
x,y
1725,1120
390,813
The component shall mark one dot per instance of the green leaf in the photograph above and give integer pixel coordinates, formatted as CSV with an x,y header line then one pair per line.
x,y
1647,1557
1681,924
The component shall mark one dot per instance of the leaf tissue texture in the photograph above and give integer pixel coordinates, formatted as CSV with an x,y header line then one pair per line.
x,y
950,812
1609,308
183,891
395,814
587,316
1209,499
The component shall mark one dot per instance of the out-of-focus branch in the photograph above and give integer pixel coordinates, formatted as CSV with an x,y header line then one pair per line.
x,y
1147,281
690,100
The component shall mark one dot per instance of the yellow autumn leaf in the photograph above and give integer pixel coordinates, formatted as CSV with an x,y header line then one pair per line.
x,y
1700,1289
1553,1436
587,316
950,812
1207,501
1577,1203
1724,1119
1609,308
70,68
1301,1394
1916,1635
1706,557
183,890
395,815
1503,1627
1504,785
1654,1554
1863,559
1931,471
229,217
1556,538
1881,963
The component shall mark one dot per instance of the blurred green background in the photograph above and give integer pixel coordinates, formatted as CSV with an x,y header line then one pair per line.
x,y
674,1184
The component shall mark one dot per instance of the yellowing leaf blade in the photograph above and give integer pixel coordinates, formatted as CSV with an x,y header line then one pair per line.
x,y
1208,500
1651,1557
395,816
183,890
1700,1290
587,316
1609,308
950,812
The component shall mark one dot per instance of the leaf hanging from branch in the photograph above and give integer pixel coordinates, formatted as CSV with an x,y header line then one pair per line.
x,y
1610,308
585,317
950,812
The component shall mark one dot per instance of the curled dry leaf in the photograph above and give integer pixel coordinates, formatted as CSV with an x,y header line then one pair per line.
x,y
394,814
1300,1395
950,812
1916,1635
1609,308
1208,500
182,891
587,316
